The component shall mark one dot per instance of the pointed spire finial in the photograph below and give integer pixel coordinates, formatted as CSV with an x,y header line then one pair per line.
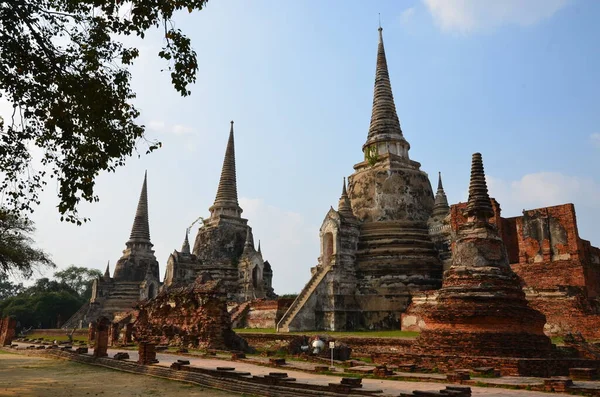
x,y
344,205
440,207
185,248
259,251
226,200
140,231
479,206
249,243
107,271
385,125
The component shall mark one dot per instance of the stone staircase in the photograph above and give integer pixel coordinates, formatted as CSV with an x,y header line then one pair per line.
x,y
238,313
79,315
284,324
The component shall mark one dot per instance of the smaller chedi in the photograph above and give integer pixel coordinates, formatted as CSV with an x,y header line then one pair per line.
x,y
135,277
481,309
224,246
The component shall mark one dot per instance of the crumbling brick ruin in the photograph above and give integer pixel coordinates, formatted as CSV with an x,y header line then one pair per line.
x,y
193,316
481,309
7,330
558,270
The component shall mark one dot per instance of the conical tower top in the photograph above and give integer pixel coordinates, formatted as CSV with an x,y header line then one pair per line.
x,y
479,206
344,205
385,134
440,207
107,271
140,231
259,251
249,243
226,201
185,247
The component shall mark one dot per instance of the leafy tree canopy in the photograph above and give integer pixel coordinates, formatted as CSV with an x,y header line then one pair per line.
x,y
16,246
79,279
65,69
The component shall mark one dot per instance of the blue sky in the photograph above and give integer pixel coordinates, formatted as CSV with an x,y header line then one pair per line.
x,y
518,81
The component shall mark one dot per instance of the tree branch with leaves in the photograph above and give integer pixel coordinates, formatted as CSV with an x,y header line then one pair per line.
x,y
65,70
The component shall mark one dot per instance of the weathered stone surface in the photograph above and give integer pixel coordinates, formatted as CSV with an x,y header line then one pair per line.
x,y
224,246
376,249
481,309
193,316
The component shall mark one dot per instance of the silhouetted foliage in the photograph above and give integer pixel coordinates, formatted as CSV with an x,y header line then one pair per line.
x,y
17,253
65,69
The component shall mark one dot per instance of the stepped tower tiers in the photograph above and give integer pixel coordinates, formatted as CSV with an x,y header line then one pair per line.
x,y
223,242
393,200
481,308
380,234
135,276
138,258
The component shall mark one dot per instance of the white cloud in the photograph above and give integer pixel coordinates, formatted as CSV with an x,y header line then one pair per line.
x,y
162,127
467,16
595,138
545,189
407,15
288,242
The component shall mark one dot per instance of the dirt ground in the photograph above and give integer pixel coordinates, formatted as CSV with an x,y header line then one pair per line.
x,y
34,376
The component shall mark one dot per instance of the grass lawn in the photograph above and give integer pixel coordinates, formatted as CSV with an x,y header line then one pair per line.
x,y
60,338
359,334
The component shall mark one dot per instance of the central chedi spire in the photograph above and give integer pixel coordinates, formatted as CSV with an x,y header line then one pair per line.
x,y
226,201
385,134
376,252
393,200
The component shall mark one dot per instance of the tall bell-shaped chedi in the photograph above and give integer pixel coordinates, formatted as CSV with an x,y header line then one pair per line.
x,y
393,200
481,308
219,245
375,250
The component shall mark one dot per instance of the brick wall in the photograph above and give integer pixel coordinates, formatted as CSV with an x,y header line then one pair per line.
x,y
559,271
7,330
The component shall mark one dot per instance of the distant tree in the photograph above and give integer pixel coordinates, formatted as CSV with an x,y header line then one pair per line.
x,y
17,253
8,288
65,69
79,278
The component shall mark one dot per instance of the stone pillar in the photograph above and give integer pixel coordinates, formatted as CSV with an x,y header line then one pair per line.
x,y
113,338
91,333
147,353
101,341
128,334
7,331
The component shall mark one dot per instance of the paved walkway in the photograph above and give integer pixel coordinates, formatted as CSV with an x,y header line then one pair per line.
x,y
389,387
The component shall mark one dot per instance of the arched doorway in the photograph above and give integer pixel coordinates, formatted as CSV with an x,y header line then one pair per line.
x,y
327,248
151,291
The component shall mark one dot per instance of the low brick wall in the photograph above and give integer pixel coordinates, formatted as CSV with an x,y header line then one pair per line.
x,y
58,332
538,367
360,346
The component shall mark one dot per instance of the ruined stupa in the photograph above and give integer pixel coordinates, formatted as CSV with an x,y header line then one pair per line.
x,y
375,249
481,309
135,277
224,246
